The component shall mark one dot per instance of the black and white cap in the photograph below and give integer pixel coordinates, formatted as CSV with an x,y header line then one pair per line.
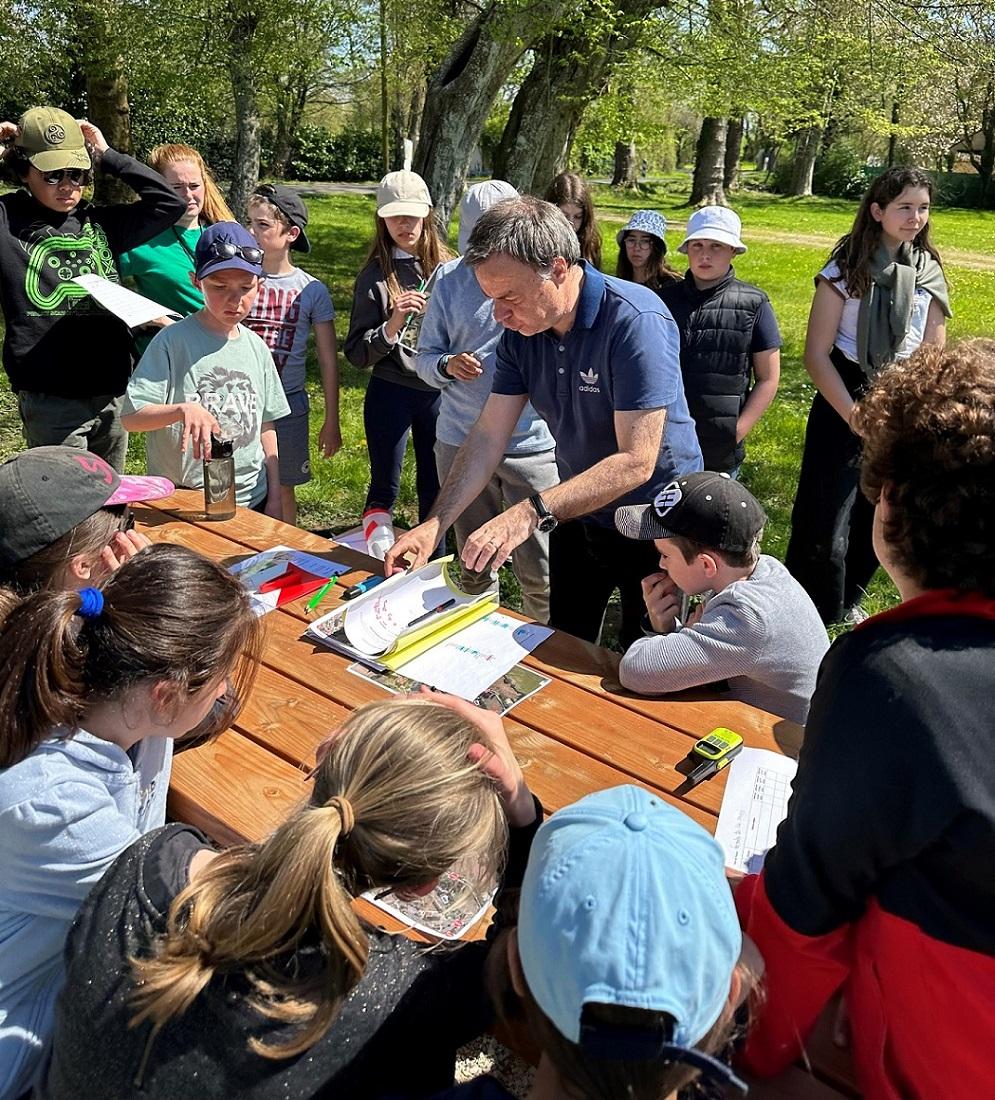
x,y
710,508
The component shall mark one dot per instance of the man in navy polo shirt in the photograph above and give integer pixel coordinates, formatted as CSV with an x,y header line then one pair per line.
x,y
599,358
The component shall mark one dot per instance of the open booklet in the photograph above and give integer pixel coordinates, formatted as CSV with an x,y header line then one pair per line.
x,y
403,617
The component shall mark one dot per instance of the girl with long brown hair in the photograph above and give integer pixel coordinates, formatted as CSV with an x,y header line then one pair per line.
x,y
571,194
882,294
388,302
250,972
97,684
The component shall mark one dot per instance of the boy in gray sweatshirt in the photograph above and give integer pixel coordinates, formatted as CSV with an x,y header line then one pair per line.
x,y
756,628
456,353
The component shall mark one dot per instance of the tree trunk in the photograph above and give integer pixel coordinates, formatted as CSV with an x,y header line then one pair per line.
x,y
569,70
734,150
626,172
242,74
108,109
107,104
545,113
892,136
803,165
709,164
458,100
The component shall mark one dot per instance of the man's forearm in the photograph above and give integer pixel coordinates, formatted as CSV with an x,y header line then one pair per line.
x,y
597,487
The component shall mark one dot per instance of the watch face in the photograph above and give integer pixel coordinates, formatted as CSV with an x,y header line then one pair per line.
x,y
547,523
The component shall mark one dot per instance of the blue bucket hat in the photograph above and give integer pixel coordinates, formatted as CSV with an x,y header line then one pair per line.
x,y
625,902
227,246
645,221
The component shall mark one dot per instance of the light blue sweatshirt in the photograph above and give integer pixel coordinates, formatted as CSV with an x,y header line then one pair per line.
x,y
459,318
67,811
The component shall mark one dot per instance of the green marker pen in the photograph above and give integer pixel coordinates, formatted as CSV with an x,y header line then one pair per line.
x,y
321,594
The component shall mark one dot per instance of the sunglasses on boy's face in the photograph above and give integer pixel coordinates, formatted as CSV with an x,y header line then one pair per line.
x,y
79,177
225,250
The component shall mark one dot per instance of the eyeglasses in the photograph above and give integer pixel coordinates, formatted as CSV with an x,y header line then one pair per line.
x,y
79,177
225,250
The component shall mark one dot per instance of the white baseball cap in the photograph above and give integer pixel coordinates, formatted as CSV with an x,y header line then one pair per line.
x,y
714,223
403,193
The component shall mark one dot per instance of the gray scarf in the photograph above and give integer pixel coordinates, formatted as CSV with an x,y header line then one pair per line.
x,y
886,309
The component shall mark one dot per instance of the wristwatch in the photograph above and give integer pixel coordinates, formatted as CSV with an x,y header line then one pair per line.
x,y
547,521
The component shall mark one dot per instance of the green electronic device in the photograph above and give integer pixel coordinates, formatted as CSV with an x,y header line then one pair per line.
x,y
712,753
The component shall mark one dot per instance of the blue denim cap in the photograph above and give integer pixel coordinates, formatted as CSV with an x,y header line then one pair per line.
x,y
645,221
205,260
625,902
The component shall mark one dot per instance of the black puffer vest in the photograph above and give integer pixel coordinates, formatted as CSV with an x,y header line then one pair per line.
x,y
716,332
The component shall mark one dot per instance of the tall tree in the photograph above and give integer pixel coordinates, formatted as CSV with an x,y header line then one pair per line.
x,y
570,68
461,93
709,163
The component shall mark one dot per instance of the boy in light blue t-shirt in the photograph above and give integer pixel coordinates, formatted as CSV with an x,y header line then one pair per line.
x,y
290,305
207,375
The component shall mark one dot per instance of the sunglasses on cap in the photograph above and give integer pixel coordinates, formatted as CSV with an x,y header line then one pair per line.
x,y
225,250
78,176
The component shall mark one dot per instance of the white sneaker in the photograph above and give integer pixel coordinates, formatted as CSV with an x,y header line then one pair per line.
x,y
856,615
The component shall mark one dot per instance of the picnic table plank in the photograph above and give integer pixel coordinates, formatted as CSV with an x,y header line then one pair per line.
x,y
233,789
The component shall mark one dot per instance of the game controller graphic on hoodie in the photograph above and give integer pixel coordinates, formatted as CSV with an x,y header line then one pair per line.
x,y
53,262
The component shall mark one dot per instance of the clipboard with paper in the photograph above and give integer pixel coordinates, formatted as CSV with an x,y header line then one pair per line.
x,y
403,617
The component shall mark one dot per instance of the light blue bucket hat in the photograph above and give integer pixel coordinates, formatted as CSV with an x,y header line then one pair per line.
x,y
645,221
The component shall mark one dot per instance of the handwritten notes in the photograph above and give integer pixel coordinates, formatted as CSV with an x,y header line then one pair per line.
x,y
754,805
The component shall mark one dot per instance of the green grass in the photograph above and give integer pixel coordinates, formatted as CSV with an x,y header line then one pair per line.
x,y
340,228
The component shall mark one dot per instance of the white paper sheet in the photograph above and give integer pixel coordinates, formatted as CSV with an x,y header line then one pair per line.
x,y
754,804
269,564
132,308
469,662
354,539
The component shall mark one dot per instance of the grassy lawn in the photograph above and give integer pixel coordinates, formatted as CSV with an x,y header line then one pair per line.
x,y
340,228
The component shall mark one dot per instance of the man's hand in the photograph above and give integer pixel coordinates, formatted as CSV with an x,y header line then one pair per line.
x,y
198,425
663,603
464,367
329,438
490,546
413,548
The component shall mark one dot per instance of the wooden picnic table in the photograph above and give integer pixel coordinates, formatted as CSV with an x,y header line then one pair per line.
x,y
582,732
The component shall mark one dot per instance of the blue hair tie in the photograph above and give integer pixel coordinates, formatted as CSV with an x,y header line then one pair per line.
x,y
91,603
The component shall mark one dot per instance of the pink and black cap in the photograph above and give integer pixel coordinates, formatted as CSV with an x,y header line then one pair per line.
x,y
707,507
47,491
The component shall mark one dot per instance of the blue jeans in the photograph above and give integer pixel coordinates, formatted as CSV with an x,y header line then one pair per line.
x,y
390,412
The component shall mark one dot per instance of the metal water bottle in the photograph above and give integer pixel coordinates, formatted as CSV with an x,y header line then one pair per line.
x,y
219,480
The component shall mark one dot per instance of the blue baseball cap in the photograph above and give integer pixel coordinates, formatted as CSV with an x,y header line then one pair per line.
x,y
645,221
227,246
625,902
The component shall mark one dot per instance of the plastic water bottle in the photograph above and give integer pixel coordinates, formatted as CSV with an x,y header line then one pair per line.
x,y
219,480
379,532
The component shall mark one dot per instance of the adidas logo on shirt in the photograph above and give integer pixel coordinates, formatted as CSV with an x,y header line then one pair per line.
x,y
590,380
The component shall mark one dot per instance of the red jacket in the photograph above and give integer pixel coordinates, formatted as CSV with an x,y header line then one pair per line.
x,y
883,875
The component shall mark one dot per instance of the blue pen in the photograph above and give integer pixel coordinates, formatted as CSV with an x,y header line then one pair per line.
x,y
364,586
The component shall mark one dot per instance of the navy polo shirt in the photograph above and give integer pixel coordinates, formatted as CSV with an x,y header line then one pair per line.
x,y
622,354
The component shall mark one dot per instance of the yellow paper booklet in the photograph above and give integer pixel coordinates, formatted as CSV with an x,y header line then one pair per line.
x,y
402,617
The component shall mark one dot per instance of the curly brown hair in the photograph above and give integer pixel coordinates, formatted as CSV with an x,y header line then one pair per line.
x,y
928,426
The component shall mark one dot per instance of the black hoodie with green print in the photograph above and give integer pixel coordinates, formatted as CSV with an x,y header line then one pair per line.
x,y
58,341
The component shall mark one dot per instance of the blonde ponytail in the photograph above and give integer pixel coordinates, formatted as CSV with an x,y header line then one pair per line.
x,y
396,803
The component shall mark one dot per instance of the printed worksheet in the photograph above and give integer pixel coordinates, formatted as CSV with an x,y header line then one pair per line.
x,y
134,309
754,805
468,663
449,911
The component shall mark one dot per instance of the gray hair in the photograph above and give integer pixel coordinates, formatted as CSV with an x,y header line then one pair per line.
x,y
526,229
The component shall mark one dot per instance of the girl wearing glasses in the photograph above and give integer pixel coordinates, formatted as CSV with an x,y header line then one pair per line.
x,y
160,268
98,685
50,235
